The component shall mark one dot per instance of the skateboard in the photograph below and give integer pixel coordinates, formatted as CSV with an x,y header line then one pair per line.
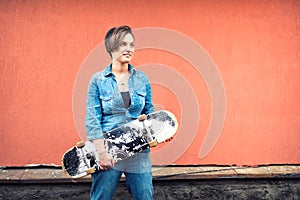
x,y
123,142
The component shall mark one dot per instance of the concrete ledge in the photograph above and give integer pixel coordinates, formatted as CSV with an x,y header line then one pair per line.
x,y
48,174
170,183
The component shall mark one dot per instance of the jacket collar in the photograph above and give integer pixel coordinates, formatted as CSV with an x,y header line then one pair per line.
x,y
108,71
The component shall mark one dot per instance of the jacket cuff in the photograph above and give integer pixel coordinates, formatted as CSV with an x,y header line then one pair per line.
x,y
93,135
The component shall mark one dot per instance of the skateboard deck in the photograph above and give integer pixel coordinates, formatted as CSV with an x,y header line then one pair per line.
x,y
122,143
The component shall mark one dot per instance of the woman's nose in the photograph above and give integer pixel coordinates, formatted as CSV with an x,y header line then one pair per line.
x,y
129,48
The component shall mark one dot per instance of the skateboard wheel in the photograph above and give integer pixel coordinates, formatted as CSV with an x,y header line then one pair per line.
x,y
80,144
142,117
153,143
90,170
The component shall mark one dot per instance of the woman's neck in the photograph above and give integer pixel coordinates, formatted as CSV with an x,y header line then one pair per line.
x,y
119,68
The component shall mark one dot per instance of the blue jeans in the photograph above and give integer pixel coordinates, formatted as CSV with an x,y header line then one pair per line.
x,y
138,173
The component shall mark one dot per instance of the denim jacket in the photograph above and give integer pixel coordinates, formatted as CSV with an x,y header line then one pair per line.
x,y
105,109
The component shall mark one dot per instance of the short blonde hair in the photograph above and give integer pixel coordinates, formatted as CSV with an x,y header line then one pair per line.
x,y
114,38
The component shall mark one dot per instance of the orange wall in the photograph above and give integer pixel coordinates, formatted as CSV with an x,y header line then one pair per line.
x,y
253,44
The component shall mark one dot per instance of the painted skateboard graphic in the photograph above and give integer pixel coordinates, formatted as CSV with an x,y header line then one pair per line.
x,y
122,142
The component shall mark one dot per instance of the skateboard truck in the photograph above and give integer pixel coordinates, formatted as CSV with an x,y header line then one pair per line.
x,y
153,143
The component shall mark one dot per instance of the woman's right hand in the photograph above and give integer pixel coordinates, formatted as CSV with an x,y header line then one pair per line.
x,y
106,160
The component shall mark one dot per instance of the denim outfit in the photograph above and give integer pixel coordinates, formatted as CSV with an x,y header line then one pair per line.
x,y
106,110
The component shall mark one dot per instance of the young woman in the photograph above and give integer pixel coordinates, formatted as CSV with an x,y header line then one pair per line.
x,y
117,95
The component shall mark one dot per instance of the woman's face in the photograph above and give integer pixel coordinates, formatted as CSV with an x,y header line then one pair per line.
x,y
125,51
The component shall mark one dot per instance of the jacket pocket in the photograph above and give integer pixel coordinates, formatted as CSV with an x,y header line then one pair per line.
x,y
106,103
138,100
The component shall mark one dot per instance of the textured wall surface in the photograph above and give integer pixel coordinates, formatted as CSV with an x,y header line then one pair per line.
x,y
254,44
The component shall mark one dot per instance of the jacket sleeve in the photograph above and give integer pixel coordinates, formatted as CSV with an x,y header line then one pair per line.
x,y
93,111
148,108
